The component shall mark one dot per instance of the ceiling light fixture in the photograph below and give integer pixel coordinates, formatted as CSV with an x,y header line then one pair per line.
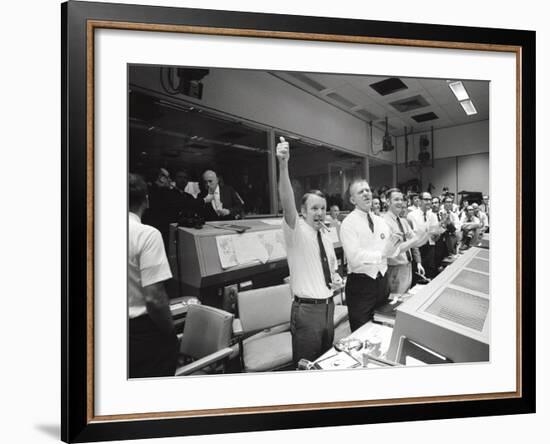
x,y
469,107
459,91
463,98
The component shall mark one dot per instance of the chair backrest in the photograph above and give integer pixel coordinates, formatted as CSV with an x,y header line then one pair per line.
x,y
264,307
207,329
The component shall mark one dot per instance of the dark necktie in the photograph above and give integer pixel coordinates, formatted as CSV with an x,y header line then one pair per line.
x,y
438,217
425,220
408,252
324,260
371,223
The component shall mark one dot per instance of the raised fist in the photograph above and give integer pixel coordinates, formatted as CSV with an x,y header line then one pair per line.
x,y
283,152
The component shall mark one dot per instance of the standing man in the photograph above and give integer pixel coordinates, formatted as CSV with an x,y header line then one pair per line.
x,y
367,243
440,248
152,339
424,220
312,264
415,202
218,202
451,223
399,274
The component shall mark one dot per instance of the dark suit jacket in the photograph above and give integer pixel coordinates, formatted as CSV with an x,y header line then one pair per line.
x,y
229,200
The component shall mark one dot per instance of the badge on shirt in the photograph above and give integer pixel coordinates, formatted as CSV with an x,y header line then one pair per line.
x,y
382,236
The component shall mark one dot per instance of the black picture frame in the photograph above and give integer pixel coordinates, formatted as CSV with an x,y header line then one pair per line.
x,y
78,423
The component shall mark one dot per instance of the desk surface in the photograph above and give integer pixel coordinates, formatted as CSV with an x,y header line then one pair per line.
x,y
366,332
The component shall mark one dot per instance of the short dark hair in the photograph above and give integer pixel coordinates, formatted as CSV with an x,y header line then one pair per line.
x,y
391,191
137,191
317,193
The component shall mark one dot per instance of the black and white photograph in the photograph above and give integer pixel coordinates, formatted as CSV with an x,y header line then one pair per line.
x,y
289,222
312,221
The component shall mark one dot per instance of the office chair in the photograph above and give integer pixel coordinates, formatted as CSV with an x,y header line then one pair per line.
x,y
206,338
263,328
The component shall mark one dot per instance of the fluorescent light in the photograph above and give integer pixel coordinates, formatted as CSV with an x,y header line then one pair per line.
x,y
469,107
459,91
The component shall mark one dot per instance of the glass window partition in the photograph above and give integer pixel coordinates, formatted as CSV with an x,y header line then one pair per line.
x,y
316,166
177,136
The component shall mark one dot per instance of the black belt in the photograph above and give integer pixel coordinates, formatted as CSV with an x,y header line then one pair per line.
x,y
313,301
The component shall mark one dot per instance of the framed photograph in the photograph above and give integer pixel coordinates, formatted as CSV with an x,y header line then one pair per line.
x,y
184,98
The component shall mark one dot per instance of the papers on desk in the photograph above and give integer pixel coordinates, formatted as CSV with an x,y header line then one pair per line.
x,y
338,361
247,248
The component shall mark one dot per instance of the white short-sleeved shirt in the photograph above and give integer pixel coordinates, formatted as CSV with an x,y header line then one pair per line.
x,y
363,247
304,260
465,220
147,263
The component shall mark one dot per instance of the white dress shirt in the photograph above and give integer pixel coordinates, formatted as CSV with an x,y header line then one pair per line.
x,y
363,247
453,218
304,260
424,222
401,258
216,201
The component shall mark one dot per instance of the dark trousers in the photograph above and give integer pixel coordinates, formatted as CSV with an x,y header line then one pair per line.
x,y
312,329
427,254
440,252
363,295
152,353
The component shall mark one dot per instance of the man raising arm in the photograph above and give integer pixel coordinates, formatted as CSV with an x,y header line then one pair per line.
x,y
312,264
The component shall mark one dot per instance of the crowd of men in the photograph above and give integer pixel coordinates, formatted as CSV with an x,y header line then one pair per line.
x,y
390,241
386,242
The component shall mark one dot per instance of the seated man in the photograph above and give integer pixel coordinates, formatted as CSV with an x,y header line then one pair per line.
x,y
483,220
218,201
469,226
185,202
153,345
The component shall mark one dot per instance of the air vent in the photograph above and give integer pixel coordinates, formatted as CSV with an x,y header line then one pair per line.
x,y
388,86
410,104
366,114
461,308
342,100
472,281
425,117
307,80
479,265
